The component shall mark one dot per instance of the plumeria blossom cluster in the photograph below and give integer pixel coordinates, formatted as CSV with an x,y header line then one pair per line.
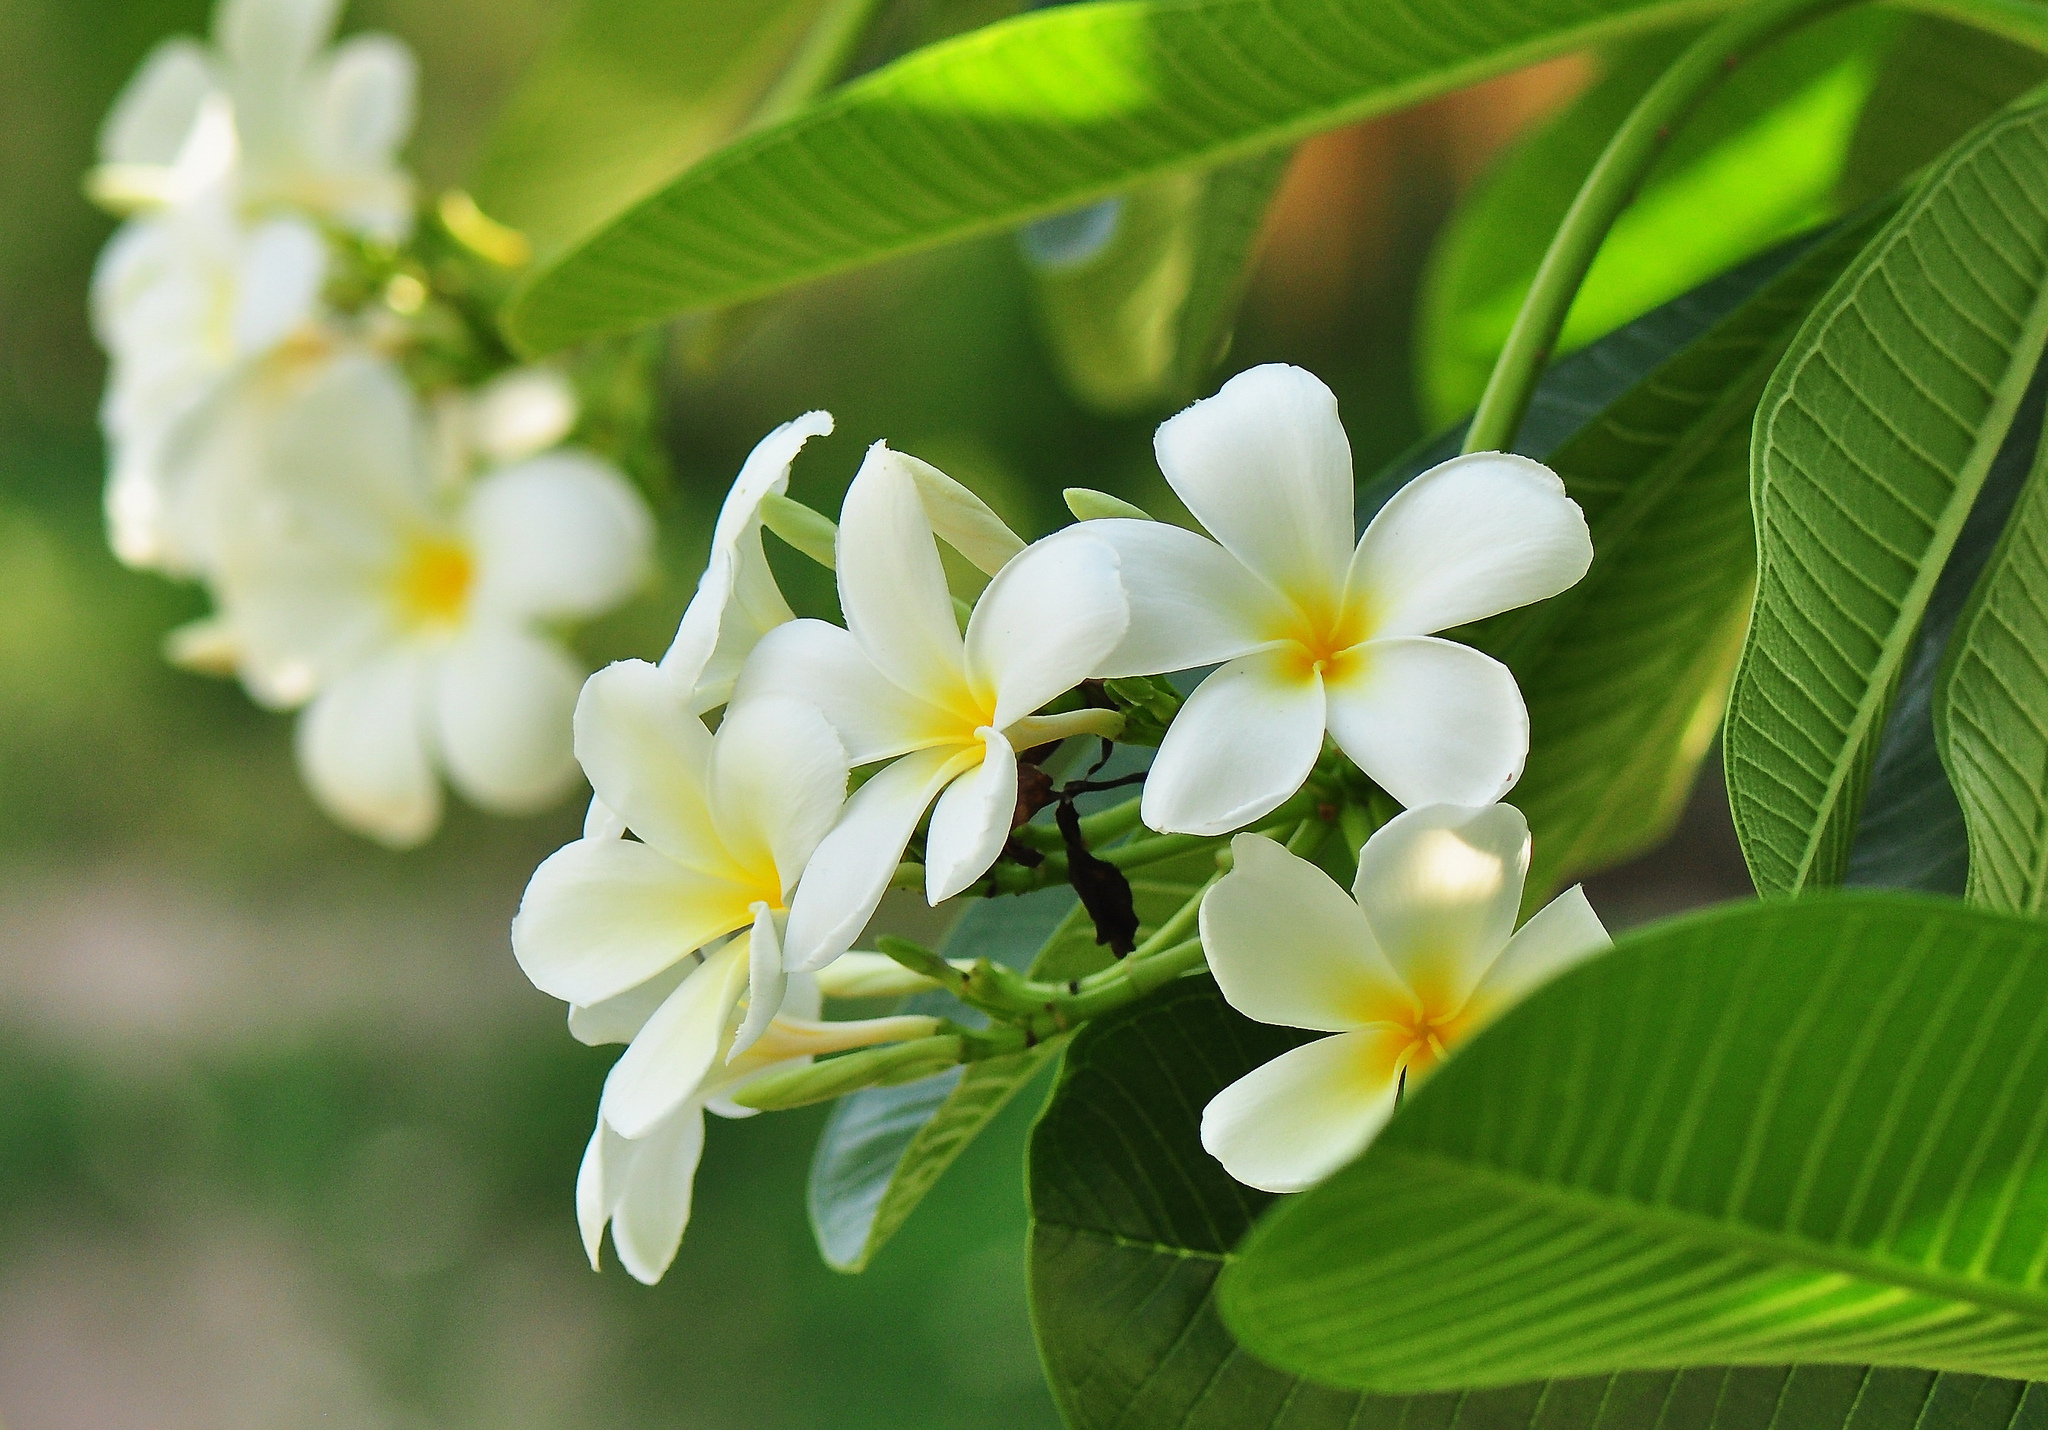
x,y
391,541
760,789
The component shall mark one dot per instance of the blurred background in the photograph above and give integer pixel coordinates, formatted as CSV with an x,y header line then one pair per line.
x,y
285,1138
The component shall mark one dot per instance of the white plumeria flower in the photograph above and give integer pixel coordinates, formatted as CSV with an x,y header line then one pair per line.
x,y
736,601
901,684
313,131
1426,956
724,826
413,617
1317,636
642,1186
188,302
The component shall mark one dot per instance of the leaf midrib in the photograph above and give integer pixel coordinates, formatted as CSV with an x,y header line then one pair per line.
x,y
1736,1236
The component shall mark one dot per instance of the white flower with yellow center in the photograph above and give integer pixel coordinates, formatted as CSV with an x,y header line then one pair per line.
x,y
414,617
1426,955
1317,636
313,130
950,713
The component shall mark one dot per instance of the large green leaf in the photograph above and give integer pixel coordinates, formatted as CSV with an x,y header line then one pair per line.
x,y
1132,1222
1797,1130
1870,447
884,1148
1758,162
627,95
1992,712
1136,294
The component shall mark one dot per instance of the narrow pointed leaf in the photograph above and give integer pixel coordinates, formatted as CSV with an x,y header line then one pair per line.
x,y
1870,447
1133,1223
1811,1130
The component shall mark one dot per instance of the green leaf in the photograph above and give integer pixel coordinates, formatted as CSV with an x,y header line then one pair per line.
x,y
1993,695
626,96
1136,294
1759,162
884,1148
1812,1130
1870,447
1029,117
1132,1222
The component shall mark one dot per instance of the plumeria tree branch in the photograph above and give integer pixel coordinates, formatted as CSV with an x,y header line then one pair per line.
x,y
1608,190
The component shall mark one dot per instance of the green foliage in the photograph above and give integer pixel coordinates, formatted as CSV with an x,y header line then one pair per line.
x,y
628,95
1759,161
884,1148
1870,447
1132,1223
1137,316
1029,117
1809,1130
1992,700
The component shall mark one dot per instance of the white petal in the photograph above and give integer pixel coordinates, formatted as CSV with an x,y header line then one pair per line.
x,y
851,869
961,519
1265,466
1287,946
601,822
766,980
1286,1126
1433,722
818,664
557,536
1044,624
1441,886
891,586
521,413
596,1182
663,1067
619,1018
362,748
283,264
275,37
736,598
649,759
971,822
503,705
1563,933
601,917
154,113
365,104
1241,745
1192,603
778,778
1475,536
654,1201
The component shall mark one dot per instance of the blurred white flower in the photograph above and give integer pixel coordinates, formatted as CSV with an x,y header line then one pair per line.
x,y
642,1186
187,303
900,684
1317,636
412,616
1426,956
313,129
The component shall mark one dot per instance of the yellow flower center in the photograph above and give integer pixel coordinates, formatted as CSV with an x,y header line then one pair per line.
x,y
433,582
1324,641
1430,1035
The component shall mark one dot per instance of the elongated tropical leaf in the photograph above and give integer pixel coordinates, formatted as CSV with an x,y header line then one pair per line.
x,y
1812,1130
1991,714
1760,161
885,1148
1136,294
1132,1222
1870,447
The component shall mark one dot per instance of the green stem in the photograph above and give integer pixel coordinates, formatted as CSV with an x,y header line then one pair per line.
x,y
1097,828
819,62
1606,192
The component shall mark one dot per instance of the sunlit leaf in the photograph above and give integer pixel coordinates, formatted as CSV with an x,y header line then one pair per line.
x,y
1132,1223
1870,447
1811,1130
1760,161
